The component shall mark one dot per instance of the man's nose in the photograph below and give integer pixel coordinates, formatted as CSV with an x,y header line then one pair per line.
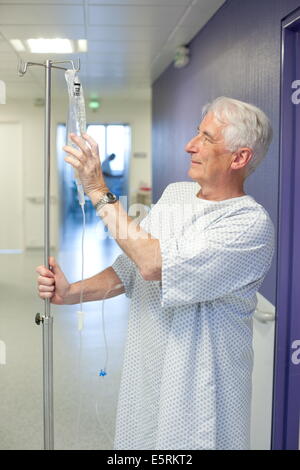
x,y
190,146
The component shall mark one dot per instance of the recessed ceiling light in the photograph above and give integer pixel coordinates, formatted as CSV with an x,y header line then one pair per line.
x,y
17,44
82,45
53,46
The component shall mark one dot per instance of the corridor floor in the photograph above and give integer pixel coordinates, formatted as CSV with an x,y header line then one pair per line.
x,y
84,403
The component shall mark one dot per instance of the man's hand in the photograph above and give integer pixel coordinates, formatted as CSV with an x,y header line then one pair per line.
x,y
53,284
85,159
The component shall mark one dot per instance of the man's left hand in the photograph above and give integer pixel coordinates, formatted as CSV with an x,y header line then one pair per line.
x,y
85,159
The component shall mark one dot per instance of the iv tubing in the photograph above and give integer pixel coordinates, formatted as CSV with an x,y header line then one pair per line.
x,y
104,337
82,255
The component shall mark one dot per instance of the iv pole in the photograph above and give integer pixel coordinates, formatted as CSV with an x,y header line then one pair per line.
x,y
47,318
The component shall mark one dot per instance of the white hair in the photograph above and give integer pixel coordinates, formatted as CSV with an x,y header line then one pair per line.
x,y
246,126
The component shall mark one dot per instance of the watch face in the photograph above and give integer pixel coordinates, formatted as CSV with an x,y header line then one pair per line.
x,y
111,197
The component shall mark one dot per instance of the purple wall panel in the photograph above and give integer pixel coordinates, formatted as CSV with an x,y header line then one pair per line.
x,y
237,54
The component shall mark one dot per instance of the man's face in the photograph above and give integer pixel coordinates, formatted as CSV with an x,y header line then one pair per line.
x,y
210,161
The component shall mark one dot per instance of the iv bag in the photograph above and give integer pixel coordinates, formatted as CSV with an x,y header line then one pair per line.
x,y
76,118
76,123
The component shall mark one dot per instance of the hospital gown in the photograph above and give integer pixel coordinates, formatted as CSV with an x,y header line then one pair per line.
x,y
186,380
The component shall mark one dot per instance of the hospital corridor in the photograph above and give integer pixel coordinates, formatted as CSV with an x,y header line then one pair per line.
x,y
85,410
149,261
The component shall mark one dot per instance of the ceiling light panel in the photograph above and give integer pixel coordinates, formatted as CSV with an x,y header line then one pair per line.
x,y
52,46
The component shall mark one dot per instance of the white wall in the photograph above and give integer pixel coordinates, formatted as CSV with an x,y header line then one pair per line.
x,y
30,119
11,192
136,113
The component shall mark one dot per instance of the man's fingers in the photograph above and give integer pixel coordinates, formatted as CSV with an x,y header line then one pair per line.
x,y
73,151
43,271
73,161
75,154
81,144
45,281
46,288
93,145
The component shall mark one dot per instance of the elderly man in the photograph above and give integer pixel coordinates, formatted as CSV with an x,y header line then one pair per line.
x,y
192,275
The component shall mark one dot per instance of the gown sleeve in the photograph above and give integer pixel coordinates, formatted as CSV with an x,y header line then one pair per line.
x,y
126,270
229,255
124,267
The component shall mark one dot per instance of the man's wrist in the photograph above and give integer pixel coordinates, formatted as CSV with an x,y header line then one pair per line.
x,y
73,295
98,194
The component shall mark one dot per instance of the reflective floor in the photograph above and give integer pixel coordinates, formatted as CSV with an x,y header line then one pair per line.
x,y
84,403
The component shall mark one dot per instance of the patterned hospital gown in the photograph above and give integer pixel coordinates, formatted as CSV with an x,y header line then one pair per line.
x,y
186,380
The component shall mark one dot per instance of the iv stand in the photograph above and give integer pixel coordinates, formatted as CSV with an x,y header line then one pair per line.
x,y
47,318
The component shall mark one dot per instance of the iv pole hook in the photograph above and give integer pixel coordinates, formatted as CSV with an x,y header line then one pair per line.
x,y
23,66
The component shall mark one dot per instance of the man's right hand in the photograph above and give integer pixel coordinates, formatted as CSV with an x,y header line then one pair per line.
x,y
53,284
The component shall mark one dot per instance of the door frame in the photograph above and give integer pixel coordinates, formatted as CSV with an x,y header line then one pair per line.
x,y
286,388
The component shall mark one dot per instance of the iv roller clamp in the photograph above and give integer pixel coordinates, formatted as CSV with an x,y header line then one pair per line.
x,y
47,319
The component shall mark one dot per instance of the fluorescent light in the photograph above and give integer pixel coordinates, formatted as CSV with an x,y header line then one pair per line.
x,y
82,45
53,46
17,44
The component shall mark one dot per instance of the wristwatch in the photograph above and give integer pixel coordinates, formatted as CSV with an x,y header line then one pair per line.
x,y
107,198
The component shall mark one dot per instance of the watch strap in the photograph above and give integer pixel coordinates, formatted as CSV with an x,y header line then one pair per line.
x,y
107,198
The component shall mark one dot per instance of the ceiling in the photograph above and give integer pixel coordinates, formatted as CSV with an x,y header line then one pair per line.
x,y
130,42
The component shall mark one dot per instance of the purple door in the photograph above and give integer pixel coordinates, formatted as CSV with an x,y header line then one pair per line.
x,y
286,403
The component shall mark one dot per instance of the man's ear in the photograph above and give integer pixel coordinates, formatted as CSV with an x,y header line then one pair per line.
x,y
241,158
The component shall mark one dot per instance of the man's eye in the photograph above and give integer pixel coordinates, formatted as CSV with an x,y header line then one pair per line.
x,y
203,137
